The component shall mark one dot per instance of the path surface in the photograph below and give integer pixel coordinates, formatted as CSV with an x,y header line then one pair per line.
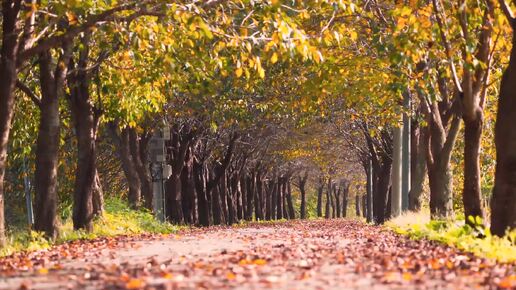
x,y
325,254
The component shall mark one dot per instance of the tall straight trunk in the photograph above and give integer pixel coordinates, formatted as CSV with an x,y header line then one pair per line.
x,y
139,150
471,194
327,209
8,77
243,190
47,146
368,204
419,144
274,199
188,191
302,190
320,197
279,198
345,199
249,196
358,203
503,202
126,158
291,212
86,118
233,199
364,206
381,191
258,202
223,191
218,217
334,201
286,214
200,186
268,200
338,193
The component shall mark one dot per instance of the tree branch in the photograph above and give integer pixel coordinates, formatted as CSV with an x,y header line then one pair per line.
x,y
25,89
507,11
446,45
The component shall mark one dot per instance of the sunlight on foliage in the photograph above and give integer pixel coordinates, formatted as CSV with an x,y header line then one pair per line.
x,y
118,219
477,240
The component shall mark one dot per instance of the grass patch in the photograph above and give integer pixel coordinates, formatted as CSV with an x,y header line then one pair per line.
x,y
118,219
477,240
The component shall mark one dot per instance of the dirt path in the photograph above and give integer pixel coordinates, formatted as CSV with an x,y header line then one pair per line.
x,y
331,254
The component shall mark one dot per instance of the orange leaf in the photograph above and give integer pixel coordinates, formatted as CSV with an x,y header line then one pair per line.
x,y
134,284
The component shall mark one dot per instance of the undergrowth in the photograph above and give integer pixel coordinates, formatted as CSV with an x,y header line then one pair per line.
x,y
118,219
475,239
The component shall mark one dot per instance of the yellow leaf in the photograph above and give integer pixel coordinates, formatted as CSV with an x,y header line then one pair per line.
x,y
353,35
261,72
238,72
230,276
43,271
260,262
274,58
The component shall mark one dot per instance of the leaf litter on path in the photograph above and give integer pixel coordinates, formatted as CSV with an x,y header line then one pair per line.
x,y
316,254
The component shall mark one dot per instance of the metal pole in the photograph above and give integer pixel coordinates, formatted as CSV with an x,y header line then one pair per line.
x,y
396,174
405,175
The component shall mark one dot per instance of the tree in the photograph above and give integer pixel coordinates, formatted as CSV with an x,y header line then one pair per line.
x,y
503,203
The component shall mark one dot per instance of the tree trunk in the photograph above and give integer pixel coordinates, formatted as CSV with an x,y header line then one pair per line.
x,y
200,186
381,187
188,191
126,158
47,148
258,202
98,197
345,196
268,201
249,196
419,144
140,155
471,194
357,204
279,198
302,190
503,202
8,77
319,197
291,212
328,199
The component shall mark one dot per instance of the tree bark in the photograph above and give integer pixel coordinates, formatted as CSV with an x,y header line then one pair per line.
x,y
291,211
419,144
258,202
471,194
8,77
345,197
204,212
98,197
319,197
47,148
86,121
327,209
302,190
503,202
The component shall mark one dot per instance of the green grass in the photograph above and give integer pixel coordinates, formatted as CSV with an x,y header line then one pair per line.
x,y
477,240
118,219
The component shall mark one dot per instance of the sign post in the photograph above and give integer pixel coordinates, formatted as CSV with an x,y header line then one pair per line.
x,y
160,170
